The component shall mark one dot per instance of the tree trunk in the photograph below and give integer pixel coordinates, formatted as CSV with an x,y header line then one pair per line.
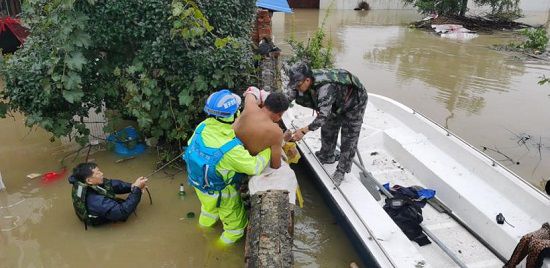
x,y
463,8
270,231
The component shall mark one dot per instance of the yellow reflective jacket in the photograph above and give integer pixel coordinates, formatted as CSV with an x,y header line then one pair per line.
x,y
238,159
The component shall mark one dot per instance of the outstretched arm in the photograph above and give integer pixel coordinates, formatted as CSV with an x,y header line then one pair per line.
x,y
121,187
325,99
276,148
240,160
113,210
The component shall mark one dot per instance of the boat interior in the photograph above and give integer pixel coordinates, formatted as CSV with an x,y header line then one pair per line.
x,y
401,147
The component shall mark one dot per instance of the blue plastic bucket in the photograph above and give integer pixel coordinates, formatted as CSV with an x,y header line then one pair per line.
x,y
121,139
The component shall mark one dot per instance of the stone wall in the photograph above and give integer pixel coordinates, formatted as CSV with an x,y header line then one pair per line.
x,y
262,37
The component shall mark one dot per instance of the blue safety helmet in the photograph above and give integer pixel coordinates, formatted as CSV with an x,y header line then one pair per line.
x,y
222,104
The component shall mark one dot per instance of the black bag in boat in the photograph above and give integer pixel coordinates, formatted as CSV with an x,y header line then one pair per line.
x,y
408,216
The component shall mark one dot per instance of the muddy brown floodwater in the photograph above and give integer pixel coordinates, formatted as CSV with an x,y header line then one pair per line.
x,y
488,98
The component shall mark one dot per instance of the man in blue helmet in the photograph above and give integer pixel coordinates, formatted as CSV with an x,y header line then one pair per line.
x,y
216,161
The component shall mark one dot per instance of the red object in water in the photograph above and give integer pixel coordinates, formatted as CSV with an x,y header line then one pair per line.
x,y
53,176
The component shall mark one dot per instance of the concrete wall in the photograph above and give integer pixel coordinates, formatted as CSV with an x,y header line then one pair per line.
x,y
527,5
303,3
374,4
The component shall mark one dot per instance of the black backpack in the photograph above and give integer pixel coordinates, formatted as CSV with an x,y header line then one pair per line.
x,y
408,216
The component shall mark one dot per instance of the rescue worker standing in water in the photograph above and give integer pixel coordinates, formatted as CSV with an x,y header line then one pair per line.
x,y
340,101
216,162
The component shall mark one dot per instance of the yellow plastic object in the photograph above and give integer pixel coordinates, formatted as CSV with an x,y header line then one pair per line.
x,y
300,197
292,153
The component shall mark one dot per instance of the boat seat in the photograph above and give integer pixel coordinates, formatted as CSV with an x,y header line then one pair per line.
x,y
470,196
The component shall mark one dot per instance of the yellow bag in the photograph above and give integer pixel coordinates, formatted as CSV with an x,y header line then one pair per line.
x,y
291,152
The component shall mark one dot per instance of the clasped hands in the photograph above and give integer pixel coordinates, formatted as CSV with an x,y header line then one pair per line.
x,y
260,95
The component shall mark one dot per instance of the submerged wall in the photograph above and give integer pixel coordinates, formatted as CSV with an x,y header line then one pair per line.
x,y
374,4
527,5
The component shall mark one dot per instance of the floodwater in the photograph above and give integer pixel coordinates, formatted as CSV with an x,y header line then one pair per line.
x,y
38,227
488,98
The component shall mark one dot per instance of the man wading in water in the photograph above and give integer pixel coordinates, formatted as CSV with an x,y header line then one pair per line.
x,y
257,126
94,197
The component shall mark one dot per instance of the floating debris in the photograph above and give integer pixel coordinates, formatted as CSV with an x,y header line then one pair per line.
x,y
485,148
52,176
33,176
362,6
454,31
124,159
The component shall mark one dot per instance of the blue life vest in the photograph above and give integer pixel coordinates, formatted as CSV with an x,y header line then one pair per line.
x,y
202,161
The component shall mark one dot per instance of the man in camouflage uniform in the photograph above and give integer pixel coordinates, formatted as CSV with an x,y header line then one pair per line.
x,y
340,101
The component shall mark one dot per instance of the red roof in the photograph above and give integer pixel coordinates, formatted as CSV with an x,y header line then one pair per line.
x,y
14,26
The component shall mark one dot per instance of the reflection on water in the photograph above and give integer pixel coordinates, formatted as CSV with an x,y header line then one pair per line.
x,y
488,98
462,73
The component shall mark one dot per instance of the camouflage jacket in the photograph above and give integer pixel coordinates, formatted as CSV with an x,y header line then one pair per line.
x,y
333,91
96,205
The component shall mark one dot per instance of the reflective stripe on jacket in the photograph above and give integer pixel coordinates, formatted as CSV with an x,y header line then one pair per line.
x,y
238,159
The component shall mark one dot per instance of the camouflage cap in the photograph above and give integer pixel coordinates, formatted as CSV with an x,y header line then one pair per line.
x,y
297,73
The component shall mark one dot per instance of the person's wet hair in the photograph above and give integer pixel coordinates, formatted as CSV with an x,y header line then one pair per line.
x,y
276,102
83,170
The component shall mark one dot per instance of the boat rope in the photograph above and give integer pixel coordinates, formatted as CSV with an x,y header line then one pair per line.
x,y
163,166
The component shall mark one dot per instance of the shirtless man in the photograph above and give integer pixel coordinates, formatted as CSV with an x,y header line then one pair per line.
x,y
257,125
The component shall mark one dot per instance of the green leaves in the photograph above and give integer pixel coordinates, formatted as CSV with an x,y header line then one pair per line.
x,y
188,21
177,9
152,61
73,96
72,81
76,61
184,98
537,39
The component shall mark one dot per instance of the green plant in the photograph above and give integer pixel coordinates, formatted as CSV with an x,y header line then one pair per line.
x,y
317,51
544,80
537,39
154,61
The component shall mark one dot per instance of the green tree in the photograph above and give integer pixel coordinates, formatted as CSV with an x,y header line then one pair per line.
x,y
501,9
154,61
